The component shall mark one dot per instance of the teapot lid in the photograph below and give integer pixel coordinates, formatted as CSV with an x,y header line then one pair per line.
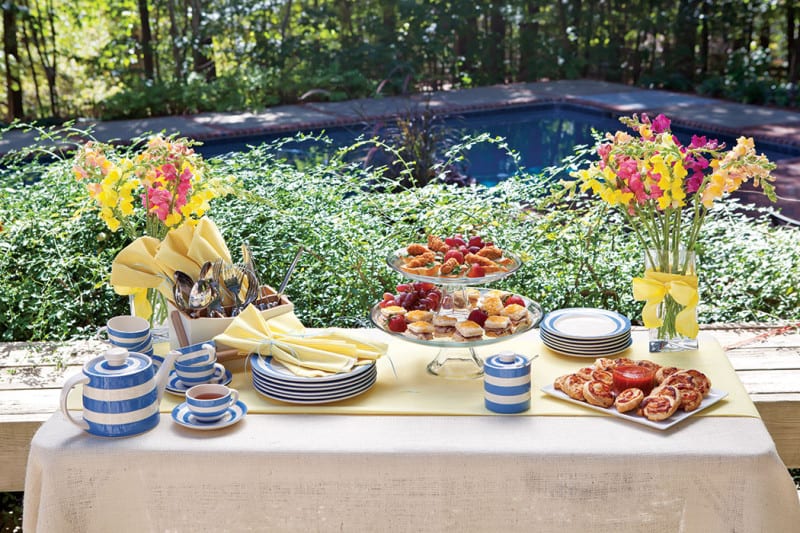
x,y
117,362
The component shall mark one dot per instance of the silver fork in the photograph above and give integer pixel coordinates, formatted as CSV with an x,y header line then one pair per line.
x,y
232,279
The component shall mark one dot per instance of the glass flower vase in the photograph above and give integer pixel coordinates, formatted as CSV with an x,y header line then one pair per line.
x,y
671,312
158,313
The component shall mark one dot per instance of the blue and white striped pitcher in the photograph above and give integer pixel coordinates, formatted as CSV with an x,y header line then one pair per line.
x,y
121,393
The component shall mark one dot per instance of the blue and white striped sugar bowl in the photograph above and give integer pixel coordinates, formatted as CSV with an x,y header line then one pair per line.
x,y
121,393
507,383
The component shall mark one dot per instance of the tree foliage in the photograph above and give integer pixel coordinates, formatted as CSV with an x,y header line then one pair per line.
x,y
128,58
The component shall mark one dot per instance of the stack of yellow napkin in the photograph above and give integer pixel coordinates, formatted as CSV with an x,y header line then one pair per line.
x,y
148,263
308,355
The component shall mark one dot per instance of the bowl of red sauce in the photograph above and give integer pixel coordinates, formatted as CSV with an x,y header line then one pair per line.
x,y
633,376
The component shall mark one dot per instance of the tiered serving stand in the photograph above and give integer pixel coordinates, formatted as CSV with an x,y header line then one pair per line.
x,y
457,360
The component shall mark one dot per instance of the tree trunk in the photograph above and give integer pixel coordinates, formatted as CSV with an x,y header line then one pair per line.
x,y
344,12
705,39
12,62
466,42
51,70
202,44
792,41
147,40
175,36
495,60
528,37
34,75
684,33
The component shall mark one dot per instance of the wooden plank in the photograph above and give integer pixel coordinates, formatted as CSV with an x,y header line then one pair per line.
x,y
33,404
57,353
38,377
768,381
771,358
782,419
15,442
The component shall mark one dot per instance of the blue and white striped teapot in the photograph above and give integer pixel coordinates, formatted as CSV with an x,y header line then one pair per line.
x,y
121,393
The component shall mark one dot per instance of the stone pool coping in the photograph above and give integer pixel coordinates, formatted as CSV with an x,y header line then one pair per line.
x,y
775,125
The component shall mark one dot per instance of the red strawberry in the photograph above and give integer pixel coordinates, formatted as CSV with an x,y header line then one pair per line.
x,y
477,271
457,255
514,299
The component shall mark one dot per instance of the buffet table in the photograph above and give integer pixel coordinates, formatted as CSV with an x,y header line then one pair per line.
x,y
390,460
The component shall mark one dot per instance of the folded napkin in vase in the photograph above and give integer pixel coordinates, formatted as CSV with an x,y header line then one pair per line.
x,y
148,263
304,354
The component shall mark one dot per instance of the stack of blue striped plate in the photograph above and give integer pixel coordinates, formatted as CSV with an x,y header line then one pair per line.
x,y
586,332
277,382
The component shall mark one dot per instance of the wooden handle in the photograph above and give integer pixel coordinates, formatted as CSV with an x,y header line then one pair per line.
x,y
227,355
177,323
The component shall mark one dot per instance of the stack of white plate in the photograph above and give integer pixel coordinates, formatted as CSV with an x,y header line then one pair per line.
x,y
275,381
585,332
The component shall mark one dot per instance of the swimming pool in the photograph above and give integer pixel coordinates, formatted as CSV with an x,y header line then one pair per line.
x,y
542,134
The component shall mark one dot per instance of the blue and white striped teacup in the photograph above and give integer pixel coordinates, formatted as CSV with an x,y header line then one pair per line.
x,y
195,354
127,331
209,403
191,375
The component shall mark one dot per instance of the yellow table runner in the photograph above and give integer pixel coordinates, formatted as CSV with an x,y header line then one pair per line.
x,y
415,392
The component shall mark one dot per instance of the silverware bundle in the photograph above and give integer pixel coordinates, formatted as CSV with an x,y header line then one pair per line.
x,y
221,289
226,289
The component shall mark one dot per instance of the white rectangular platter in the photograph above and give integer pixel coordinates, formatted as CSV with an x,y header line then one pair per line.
x,y
714,395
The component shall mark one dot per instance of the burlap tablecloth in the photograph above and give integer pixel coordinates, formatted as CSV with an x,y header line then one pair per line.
x,y
292,471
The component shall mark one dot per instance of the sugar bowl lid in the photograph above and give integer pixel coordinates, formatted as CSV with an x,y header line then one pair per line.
x,y
507,365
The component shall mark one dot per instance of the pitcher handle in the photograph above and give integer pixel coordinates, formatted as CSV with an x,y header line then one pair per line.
x,y
68,386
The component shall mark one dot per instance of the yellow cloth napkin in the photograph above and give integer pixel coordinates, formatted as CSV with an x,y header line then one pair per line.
x,y
150,263
308,355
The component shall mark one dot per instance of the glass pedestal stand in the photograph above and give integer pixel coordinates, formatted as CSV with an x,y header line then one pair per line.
x,y
457,363
456,360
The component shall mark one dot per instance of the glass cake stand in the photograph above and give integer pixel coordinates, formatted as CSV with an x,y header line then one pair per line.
x,y
455,359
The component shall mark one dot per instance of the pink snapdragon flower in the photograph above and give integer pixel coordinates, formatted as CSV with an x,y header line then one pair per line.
x,y
661,124
159,200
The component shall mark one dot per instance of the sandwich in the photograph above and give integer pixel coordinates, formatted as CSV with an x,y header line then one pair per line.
x,y
497,326
468,298
392,310
467,331
518,315
419,316
473,295
444,325
420,330
492,305
499,294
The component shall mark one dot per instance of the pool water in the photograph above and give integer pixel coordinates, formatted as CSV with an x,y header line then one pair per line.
x,y
542,134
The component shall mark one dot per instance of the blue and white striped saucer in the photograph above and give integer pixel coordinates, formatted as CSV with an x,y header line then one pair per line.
x,y
181,415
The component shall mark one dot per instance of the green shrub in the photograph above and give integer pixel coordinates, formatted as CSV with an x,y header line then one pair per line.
x,y
55,255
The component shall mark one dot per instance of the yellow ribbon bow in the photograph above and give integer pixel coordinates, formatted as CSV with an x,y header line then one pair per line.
x,y
655,286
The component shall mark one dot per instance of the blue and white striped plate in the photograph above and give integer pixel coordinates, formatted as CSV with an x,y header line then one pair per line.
x,y
592,353
309,399
584,323
181,415
329,389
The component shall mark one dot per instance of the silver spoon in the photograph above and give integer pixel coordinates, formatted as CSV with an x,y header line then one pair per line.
x,y
201,295
181,289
